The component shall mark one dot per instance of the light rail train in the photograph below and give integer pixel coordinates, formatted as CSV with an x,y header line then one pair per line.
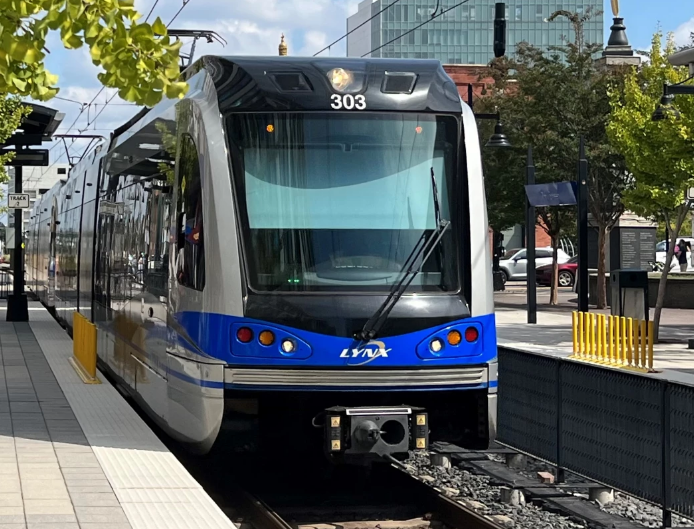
x,y
297,251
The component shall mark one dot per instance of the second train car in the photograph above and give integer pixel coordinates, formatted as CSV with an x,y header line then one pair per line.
x,y
296,250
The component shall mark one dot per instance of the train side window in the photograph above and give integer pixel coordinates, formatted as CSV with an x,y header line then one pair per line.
x,y
190,266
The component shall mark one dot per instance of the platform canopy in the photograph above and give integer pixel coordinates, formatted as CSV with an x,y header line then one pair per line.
x,y
37,127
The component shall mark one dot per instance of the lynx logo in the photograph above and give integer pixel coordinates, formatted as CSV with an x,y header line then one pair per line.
x,y
369,352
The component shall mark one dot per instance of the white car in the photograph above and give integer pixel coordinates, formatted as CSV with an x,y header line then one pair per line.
x,y
514,263
660,255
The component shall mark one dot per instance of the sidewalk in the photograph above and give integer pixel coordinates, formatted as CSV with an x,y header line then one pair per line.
x,y
77,456
552,333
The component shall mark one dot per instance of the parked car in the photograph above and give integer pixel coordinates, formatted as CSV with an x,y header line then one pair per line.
x,y
514,263
566,273
660,255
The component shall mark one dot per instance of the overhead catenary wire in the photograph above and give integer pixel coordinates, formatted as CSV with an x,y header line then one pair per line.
x,y
151,10
85,107
416,27
354,29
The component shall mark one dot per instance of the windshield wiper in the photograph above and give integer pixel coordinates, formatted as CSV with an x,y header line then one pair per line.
x,y
425,245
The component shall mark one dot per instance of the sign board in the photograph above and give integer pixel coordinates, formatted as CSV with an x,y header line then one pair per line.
x,y
690,193
554,194
28,158
18,201
636,248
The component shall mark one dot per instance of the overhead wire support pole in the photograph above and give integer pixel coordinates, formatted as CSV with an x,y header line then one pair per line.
x,y
582,184
530,221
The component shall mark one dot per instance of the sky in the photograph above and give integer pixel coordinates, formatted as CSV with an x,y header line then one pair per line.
x,y
253,27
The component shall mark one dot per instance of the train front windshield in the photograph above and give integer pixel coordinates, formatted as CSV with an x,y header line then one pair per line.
x,y
337,202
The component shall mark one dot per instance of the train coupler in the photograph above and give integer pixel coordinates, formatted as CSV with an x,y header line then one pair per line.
x,y
364,431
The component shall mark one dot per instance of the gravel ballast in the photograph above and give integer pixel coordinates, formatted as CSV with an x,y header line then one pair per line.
x,y
463,485
623,505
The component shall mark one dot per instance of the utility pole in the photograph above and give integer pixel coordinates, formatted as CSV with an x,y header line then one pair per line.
x,y
582,185
530,221
17,303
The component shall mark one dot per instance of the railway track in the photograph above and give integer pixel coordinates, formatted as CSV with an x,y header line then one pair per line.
x,y
388,498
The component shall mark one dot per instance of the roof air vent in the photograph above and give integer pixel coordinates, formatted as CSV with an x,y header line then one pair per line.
x,y
398,82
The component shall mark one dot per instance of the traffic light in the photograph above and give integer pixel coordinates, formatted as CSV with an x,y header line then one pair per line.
x,y
499,29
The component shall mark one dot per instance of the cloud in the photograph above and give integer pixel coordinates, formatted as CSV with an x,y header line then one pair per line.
x,y
250,27
683,32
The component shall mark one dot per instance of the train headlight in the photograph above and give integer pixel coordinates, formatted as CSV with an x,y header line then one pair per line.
x,y
436,345
266,338
288,346
340,79
454,338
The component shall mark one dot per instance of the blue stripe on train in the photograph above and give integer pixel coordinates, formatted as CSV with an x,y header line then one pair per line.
x,y
216,335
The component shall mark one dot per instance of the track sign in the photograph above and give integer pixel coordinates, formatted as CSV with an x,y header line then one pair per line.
x,y
18,201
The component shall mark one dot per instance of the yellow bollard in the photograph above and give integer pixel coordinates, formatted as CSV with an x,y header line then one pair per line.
x,y
574,331
593,336
633,342
83,358
610,337
624,340
581,337
651,336
617,351
644,344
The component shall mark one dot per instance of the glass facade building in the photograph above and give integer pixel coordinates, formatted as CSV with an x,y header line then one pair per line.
x,y
464,34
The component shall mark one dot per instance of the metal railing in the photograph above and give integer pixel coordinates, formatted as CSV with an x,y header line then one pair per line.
x,y
613,341
627,430
6,283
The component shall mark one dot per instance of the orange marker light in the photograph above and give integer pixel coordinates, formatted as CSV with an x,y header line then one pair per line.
x,y
270,128
266,338
454,338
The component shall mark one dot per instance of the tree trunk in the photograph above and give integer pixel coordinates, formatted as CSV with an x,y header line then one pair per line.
x,y
602,283
662,284
553,293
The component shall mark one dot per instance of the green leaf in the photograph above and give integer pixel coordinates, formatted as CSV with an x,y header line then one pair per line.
x,y
159,28
141,31
19,83
176,90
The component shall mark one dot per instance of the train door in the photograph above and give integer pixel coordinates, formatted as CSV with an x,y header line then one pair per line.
x,y
52,255
152,266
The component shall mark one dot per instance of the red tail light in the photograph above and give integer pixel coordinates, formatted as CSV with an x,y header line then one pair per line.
x,y
244,334
471,334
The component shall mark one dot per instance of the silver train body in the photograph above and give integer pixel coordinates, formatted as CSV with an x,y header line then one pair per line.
x,y
180,309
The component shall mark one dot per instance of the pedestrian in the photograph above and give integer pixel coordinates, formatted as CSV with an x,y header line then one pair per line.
x,y
681,251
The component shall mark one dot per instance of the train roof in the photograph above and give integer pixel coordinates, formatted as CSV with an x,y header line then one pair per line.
x,y
280,84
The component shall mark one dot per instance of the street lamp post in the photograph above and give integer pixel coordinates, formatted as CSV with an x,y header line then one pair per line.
x,y
530,222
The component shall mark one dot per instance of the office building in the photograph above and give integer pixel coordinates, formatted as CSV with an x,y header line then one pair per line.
x,y
463,35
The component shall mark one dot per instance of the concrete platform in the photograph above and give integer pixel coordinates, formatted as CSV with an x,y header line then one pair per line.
x,y
74,455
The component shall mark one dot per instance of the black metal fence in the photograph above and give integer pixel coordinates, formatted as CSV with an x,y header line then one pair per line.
x,y
626,430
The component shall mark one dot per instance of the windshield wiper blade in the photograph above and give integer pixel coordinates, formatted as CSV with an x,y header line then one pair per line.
x,y
424,246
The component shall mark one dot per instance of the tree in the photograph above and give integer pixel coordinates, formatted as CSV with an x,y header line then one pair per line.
x,y
12,113
548,100
657,153
139,59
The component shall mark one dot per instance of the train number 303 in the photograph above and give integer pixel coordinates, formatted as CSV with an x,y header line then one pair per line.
x,y
348,102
